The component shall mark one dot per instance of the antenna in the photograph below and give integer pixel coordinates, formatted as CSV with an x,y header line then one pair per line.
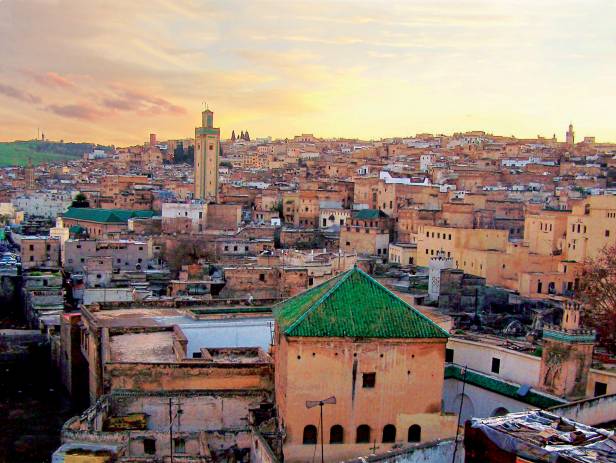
x,y
313,403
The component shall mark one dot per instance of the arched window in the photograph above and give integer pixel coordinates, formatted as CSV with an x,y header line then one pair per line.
x,y
389,433
414,433
363,434
336,434
310,434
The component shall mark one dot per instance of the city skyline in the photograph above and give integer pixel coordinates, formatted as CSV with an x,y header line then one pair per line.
x,y
337,69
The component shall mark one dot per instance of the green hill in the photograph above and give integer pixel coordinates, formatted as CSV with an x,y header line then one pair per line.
x,y
17,153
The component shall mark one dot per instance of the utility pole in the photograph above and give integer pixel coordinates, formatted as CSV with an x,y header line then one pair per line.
x,y
172,418
455,448
170,430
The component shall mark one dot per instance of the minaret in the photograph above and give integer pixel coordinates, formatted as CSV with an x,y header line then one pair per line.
x,y
570,135
207,149
567,355
29,176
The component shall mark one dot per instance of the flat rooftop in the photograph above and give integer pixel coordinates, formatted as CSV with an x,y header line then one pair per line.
x,y
239,331
143,347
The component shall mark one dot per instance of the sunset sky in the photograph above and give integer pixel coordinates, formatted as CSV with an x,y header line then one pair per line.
x,y
112,72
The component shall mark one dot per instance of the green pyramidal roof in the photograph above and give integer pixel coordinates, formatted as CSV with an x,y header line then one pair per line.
x,y
353,304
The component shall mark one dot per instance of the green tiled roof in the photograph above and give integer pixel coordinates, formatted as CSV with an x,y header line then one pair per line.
x,y
490,383
105,215
353,304
369,214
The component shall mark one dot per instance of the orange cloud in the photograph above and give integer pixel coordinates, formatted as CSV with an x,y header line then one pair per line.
x,y
53,79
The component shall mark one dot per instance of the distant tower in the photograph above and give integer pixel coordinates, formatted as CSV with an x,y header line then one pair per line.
x,y
29,176
570,135
207,149
567,355
435,266
233,135
152,139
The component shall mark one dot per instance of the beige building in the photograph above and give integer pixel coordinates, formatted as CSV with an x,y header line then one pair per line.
x,y
376,353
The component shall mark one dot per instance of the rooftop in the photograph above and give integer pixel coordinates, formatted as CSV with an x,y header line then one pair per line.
x,y
353,304
541,436
105,215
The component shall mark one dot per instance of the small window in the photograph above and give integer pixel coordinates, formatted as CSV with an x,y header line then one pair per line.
x,y
414,434
607,233
261,276
310,435
310,281
389,434
600,388
179,445
449,355
149,446
369,380
495,365
336,434
363,434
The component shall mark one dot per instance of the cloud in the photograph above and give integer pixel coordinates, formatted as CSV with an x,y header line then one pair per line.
x,y
18,94
82,111
134,100
51,79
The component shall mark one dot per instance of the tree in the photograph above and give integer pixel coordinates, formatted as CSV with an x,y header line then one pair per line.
x,y
597,293
80,200
184,250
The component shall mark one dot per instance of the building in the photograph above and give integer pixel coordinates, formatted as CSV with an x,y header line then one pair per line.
x,y
100,222
207,153
375,351
40,252
366,232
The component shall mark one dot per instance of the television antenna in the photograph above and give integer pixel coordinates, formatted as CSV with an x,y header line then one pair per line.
x,y
313,403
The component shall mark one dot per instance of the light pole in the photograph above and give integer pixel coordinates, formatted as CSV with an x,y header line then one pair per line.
x,y
313,403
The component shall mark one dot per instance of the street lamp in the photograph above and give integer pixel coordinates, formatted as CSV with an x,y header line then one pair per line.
x,y
313,403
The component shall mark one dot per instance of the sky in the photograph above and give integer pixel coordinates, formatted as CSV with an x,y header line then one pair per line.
x,y
113,71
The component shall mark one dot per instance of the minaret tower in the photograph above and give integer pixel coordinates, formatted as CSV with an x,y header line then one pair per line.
x,y
567,355
570,135
207,150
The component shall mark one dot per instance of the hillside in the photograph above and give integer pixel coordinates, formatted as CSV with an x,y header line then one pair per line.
x,y
18,153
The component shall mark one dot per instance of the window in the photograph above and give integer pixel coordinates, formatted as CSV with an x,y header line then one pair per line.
x,y
369,380
495,365
310,281
336,434
261,276
449,355
600,388
149,446
414,434
179,445
389,433
310,435
363,434
31,247
607,233
226,248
